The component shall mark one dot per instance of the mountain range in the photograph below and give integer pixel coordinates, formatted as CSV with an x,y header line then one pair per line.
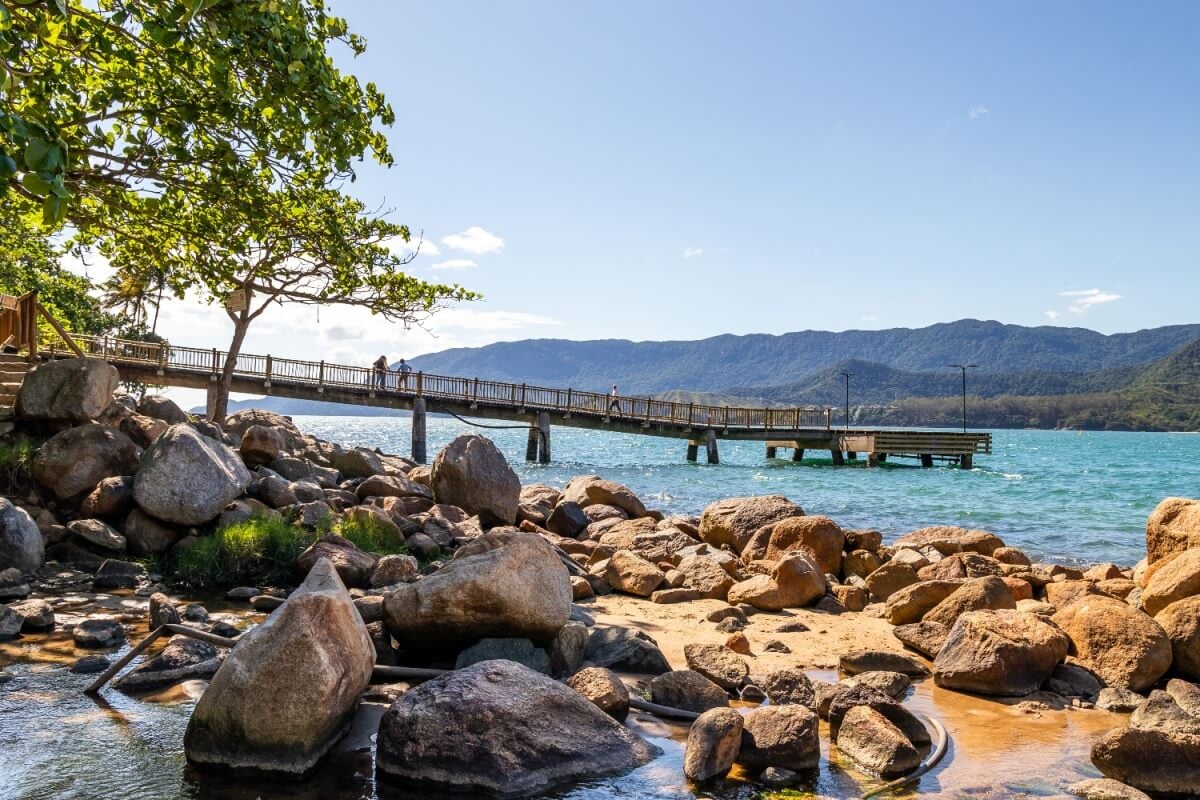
x,y
1026,376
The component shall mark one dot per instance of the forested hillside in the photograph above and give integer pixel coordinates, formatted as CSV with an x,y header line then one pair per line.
x,y
760,360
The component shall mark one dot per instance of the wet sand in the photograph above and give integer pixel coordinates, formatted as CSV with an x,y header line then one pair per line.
x,y
996,750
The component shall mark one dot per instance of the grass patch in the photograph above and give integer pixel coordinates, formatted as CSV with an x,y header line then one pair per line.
x,y
369,534
260,551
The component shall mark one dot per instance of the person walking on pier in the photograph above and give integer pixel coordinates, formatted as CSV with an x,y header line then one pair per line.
x,y
403,369
381,371
613,403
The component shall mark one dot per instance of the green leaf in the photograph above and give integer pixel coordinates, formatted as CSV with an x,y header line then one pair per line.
x,y
8,167
54,210
35,184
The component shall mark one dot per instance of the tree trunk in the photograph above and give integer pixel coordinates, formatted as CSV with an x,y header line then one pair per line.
x,y
240,324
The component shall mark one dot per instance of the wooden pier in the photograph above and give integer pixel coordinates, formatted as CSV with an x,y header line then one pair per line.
x,y
539,408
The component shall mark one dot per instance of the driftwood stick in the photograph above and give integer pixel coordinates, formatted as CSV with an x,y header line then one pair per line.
x,y
108,674
661,711
180,630
192,633
382,672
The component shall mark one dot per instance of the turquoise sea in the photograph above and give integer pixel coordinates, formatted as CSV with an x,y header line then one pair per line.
x,y
1065,496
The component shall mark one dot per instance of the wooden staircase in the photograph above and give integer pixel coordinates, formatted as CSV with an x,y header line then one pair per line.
x,y
12,372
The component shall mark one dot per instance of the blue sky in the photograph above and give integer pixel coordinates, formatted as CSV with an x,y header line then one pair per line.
x,y
676,170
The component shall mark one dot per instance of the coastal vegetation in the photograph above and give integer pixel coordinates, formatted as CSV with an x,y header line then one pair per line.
x,y
203,149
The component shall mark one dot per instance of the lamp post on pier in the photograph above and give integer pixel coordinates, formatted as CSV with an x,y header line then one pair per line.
x,y
847,376
964,368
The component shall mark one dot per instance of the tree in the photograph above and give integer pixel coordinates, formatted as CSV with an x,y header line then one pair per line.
x,y
29,261
305,244
104,103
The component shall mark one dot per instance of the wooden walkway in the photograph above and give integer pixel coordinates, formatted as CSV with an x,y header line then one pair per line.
x,y
801,429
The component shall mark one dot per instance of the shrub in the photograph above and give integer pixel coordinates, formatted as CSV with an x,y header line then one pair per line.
x,y
260,551
16,462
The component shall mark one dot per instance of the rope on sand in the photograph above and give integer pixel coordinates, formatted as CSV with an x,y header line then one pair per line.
x,y
941,744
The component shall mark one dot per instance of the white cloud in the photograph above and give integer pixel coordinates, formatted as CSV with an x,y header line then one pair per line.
x,y
415,246
1084,299
1051,315
977,111
689,252
455,263
471,320
474,240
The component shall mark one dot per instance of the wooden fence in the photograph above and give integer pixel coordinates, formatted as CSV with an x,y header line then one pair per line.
x,y
166,358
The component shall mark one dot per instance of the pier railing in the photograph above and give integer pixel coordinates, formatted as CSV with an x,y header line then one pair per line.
x,y
321,375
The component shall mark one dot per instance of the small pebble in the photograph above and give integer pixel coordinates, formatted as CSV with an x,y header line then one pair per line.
x,y
777,776
89,664
265,602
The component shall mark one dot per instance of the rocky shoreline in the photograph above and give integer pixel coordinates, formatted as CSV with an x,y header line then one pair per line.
x,y
494,587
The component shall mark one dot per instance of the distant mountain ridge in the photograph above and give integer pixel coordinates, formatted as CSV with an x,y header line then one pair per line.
x,y
763,360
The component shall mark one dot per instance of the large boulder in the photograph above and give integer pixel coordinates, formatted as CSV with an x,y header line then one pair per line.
x,y
21,545
687,689
948,539
630,573
718,664
499,728
875,744
69,390
627,650
162,408
147,536
820,536
187,478
891,578
72,462
705,575
1174,526
781,736
604,689
237,423
1175,580
506,585
472,473
354,566
288,691
1152,760
800,579
183,659
733,522
592,490
913,602
713,743
979,594
1181,622
759,591
261,445
1121,644
355,462
1006,653
112,497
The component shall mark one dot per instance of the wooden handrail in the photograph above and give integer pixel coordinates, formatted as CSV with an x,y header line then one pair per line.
x,y
494,393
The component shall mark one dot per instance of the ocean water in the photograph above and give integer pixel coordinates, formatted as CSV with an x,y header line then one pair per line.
x,y
1065,496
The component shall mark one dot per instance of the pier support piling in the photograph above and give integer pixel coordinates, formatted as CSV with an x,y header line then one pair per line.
x,y
798,454
837,458
967,461
543,426
926,460
693,450
851,455
210,398
874,460
710,444
771,451
531,444
418,431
